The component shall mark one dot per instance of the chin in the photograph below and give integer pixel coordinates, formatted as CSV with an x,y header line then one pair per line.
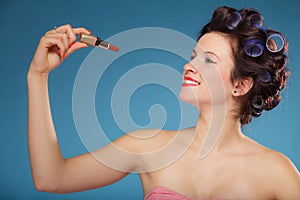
x,y
189,96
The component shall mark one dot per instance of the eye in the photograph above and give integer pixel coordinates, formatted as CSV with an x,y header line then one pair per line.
x,y
193,55
209,60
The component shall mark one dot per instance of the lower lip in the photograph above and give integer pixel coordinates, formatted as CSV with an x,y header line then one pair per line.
x,y
189,85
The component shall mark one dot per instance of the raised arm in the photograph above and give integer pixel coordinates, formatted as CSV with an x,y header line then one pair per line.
x,y
50,171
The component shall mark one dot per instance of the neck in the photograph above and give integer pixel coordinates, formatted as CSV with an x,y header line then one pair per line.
x,y
216,131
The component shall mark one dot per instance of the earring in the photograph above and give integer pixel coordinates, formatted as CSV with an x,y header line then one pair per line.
x,y
234,91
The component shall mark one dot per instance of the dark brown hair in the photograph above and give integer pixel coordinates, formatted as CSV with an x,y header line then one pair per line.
x,y
265,93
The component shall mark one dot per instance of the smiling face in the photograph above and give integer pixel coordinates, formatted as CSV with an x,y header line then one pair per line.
x,y
207,77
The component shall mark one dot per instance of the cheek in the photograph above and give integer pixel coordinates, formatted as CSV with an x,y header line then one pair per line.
x,y
216,82
226,79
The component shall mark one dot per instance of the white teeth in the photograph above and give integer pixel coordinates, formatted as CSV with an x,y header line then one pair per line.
x,y
191,82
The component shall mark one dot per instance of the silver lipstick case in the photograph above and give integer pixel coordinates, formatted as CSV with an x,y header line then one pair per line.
x,y
93,41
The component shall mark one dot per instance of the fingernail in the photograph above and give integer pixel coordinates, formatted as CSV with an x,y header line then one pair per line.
x,y
71,44
89,31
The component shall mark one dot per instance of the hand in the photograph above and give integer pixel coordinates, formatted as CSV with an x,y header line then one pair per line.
x,y
55,46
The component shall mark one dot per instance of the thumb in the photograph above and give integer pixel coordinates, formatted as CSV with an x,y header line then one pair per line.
x,y
74,47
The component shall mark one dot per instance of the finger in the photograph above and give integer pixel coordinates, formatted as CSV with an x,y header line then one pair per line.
x,y
75,47
62,36
52,42
77,31
50,32
69,31
53,30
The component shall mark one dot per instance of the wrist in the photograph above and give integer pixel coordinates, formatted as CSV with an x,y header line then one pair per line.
x,y
34,71
37,75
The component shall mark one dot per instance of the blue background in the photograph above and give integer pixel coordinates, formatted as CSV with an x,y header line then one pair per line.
x,y
24,22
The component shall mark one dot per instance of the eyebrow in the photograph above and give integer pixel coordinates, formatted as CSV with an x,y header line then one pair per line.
x,y
207,52
210,52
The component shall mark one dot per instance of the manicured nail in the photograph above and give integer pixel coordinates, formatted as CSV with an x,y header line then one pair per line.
x,y
89,31
71,44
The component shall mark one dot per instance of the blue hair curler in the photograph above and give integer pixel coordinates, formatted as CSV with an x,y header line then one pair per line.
x,y
256,20
275,42
264,76
256,113
233,21
258,102
254,48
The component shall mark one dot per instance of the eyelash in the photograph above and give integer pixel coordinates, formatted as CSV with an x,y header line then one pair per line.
x,y
208,60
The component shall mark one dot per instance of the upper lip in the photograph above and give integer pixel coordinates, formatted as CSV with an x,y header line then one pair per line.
x,y
191,79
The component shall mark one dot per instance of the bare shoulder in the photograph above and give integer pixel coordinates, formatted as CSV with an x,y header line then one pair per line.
x,y
280,165
274,160
283,176
279,172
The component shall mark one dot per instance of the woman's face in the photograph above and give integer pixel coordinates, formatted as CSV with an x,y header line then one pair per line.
x,y
206,78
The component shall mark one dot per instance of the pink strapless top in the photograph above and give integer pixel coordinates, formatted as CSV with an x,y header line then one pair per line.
x,y
162,193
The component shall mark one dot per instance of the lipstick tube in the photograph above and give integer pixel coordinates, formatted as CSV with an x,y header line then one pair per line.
x,y
96,42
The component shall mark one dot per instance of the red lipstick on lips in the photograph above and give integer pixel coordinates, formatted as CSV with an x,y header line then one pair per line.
x,y
188,81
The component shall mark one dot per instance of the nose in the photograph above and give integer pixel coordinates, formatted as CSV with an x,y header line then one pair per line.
x,y
190,68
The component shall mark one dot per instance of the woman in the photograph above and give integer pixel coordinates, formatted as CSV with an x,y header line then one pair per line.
x,y
251,68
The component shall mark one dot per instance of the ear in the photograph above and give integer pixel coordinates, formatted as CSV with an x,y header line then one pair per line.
x,y
242,86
